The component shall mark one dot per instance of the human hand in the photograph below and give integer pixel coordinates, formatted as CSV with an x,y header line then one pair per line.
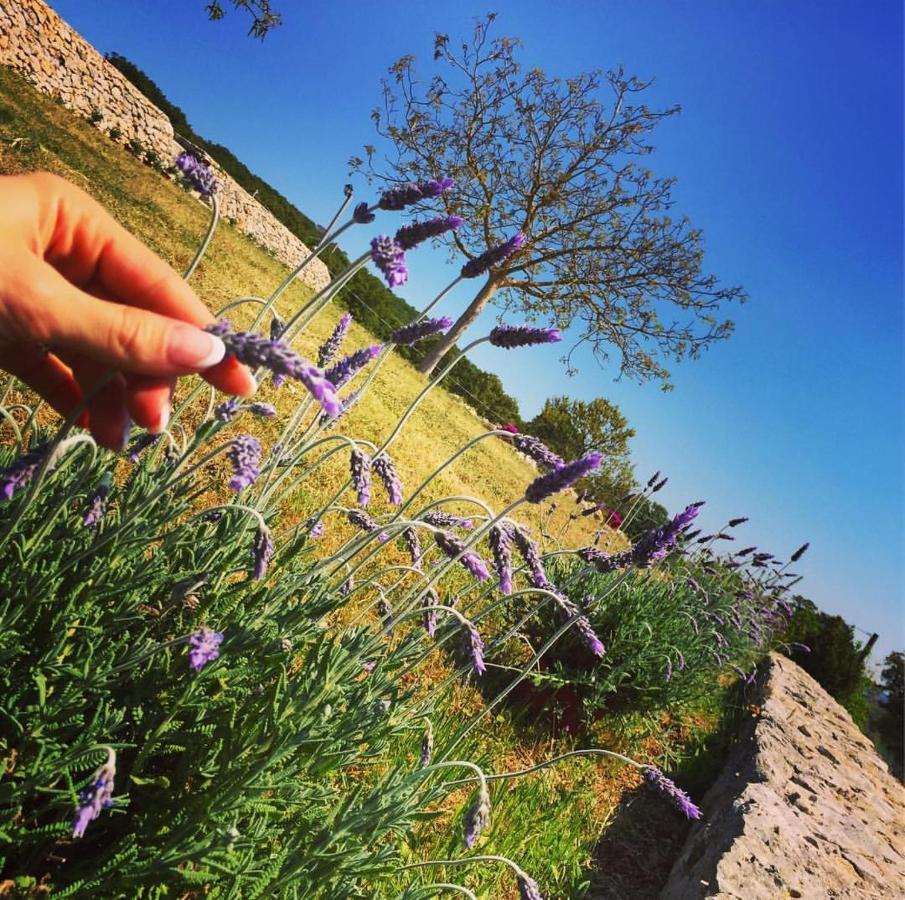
x,y
75,281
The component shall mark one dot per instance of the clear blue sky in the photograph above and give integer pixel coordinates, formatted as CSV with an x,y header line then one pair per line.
x,y
789,156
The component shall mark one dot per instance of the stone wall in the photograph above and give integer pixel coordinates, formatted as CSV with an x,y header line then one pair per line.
x,y
804,808
39,44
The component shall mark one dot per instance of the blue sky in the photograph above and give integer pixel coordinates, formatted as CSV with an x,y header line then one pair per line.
x,y
789,156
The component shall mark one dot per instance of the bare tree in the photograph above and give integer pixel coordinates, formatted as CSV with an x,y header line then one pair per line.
x,y
263,16
559,161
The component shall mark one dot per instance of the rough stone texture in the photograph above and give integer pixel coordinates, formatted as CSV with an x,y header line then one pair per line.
x,y
39,44
804,808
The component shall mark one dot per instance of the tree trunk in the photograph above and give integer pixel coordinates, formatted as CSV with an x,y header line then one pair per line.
x,y
442,347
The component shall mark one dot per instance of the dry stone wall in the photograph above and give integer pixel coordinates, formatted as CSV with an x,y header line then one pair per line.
x,y
804,808
35,41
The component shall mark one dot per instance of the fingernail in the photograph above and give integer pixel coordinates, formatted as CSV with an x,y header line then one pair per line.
x,y
193,348
163,420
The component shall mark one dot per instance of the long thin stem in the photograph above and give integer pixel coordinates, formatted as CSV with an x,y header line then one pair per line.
x,y
211,228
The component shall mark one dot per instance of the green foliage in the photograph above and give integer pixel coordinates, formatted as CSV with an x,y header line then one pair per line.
x,y
891,722
825,647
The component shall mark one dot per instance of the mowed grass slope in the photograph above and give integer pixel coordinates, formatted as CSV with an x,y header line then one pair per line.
x,y
37,133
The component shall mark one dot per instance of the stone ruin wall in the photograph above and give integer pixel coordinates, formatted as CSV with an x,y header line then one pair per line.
x,y
36,42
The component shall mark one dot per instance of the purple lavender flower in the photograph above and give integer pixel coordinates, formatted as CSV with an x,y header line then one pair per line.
x,y
427,745
746,551
500,540
413,542
97,796
653,479
341,372
403,195
561,478
429,602
244,455
360,464
477,817
362,214
330,347
142,442
265,410
659,485
589,636
256,350
667,788
389,257
511,336
197,174
416,331
409,236
493,257
204,644
733,523
315,527
227,411
667,675
386,472
453,547
654,545
536,449
97,505
262,551
363,521
528,888
384,611
603,562
440,519
799,552
277,327
531,554
475,648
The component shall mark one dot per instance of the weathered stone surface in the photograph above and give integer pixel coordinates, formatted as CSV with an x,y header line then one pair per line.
x,y
804,808
35,41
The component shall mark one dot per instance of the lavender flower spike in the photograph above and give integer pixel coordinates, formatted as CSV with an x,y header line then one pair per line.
x,y
528,888
440,519
197,174
667,788
427,744
265,410
537,450
477,818
493,257
330,347
475,649
799,552
413,542
363,521
257,350
360,464
453,547
362,214
564,477
204,644
141,444
531,554
510,336
97,796
227,411
386,472
340,373
429,603
500,539
409,236
416,331
17,476
403,195
262,552
389,257
97,506
244,454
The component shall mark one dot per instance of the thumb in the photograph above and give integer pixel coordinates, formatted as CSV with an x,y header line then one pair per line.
x,y
120,336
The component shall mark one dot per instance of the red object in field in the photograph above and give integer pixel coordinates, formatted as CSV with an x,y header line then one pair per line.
x,y
512,429
614,520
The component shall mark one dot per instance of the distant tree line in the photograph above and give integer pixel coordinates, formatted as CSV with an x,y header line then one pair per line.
x,y
366,297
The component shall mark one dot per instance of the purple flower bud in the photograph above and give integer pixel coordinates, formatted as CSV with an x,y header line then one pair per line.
x,y
277,326
386,472
244,454
733,523
403,195
660,484
511,336
653,479
799,552
197,174
204,644
413,542
561,478
227,411
141,444
265,410
360,464
493,257
531,554
416,331
389,257
362,214
453,548
427,745
330,347
501,546
315,527
475,649
537,450
340,373
409,236
256,350
97,505
363,521
428,603
262,552
477,817
668,789
97,796
746,551
384,611
667,675
528,888
440,519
